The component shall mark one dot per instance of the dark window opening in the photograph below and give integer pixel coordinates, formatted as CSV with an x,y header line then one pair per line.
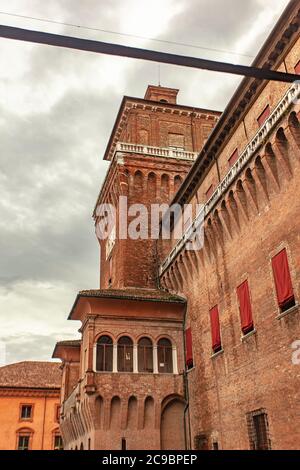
x,y
58,442
104,357
215,445
23,442
145,355
26,411
258,430
165,356
123,444
125,354
201,442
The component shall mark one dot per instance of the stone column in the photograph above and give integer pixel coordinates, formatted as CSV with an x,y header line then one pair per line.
x,y
155,363
174,357
115,358
135,359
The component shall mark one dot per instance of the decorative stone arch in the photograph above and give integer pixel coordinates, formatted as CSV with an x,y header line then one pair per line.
x,y
172,429
24,431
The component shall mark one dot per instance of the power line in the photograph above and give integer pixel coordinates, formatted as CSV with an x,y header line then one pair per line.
x,y
99,47
107,31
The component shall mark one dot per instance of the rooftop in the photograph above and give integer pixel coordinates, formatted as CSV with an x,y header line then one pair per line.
x,y
31,374
131,293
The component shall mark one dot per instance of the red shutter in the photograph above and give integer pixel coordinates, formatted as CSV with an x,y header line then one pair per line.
x,y
209,192
245,307
233,158
282,277
264,116
297,68
215,328
189,347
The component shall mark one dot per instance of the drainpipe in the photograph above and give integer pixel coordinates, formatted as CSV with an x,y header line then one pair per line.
x,y
186,391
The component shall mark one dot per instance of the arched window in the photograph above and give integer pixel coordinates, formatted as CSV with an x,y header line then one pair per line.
x,y
145,355
57,440
164,355
104,356
24,439
125,354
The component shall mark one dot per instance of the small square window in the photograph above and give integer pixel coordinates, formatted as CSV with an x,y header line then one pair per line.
x,y
26,411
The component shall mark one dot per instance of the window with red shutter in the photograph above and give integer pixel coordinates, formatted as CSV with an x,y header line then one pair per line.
x,y
209,192
234,157
245,307
189,348
215,329
283,282
264,116
297,67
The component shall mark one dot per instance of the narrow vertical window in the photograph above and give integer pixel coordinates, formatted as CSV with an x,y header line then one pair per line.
x,y
243,294
215,329
188,348
283,282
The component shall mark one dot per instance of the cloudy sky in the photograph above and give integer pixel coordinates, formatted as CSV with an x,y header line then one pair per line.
x,y
57,108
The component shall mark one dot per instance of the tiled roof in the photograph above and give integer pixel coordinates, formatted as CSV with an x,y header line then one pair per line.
x,y
31,374
133,294
69,342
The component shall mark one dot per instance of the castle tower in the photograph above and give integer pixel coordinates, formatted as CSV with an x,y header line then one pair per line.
x,y
152,147
130,390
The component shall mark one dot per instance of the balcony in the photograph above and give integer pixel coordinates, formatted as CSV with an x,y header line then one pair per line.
x,y
156,151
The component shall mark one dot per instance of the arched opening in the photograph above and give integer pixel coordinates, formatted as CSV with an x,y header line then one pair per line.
x,y
132,413
125,354
99,412
151,184
104,355
115,409
149,413
81,447
172,425
145,355
177,182
164,356
138,180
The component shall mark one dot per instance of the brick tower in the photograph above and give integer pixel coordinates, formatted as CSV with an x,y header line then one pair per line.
x,y
126,373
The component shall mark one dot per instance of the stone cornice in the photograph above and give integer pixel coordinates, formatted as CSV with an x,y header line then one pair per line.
x,y
29,392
